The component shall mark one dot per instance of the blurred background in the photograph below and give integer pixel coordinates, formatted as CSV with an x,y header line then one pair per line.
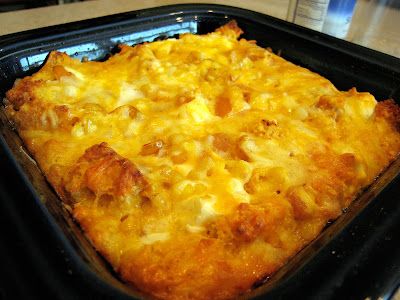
x,y
371,23
9,5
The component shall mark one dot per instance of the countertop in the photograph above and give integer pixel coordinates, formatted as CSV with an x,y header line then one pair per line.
x,y
373,26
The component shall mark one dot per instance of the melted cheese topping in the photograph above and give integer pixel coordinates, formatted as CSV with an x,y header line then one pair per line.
x,y
200,165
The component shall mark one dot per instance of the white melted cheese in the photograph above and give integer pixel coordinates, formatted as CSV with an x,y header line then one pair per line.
x,y
133,128
49,118
360,107
194,228
152,238
235,187
84,127
260,154
127,94
77,74
71,91
207,210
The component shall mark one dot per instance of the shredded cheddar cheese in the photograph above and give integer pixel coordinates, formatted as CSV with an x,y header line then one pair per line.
x,y
198,166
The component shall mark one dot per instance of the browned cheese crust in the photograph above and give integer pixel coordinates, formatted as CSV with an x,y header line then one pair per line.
x,y
198,166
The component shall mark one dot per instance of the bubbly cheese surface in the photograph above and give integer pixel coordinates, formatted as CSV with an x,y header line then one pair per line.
x,y
198,166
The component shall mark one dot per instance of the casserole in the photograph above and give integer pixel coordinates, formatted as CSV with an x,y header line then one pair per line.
x,y
252,32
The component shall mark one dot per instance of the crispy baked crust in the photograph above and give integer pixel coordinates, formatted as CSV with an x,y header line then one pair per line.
x,y
102,173
199,166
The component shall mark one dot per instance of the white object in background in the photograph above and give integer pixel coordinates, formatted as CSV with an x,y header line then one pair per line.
x,y
308,13
338,18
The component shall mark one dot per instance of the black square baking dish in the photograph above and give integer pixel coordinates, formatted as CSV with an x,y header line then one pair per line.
x,y
46,254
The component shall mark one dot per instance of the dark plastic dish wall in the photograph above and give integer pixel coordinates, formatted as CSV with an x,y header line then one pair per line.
x,y
354,258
